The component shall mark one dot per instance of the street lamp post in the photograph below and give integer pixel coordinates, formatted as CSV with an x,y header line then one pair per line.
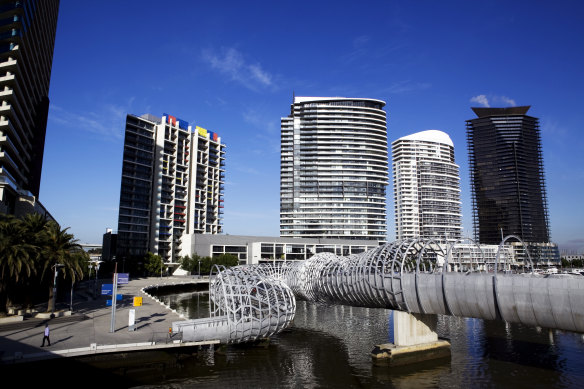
x,y
199,269
56,266
95,264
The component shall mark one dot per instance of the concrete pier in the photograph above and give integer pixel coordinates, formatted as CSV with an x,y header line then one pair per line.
x,y
415,340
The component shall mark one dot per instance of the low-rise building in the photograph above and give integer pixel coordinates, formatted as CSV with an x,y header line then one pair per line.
x,y
255,249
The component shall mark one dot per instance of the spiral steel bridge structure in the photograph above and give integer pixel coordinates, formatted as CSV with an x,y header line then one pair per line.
x,y
246,304
414,275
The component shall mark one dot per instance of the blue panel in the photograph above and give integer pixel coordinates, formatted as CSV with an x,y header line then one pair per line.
x,y
182,124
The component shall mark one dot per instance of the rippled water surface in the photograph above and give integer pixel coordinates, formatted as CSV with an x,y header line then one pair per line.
x,y
329,346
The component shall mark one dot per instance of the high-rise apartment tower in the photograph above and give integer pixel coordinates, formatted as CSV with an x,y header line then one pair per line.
x,y
507,177
172,185
333,169
426,186
27,40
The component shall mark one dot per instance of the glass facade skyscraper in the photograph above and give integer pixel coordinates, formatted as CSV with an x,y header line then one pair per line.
x,y
507,177
333,169
27,40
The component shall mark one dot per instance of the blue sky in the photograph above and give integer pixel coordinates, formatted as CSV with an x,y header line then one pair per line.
x,y
232,67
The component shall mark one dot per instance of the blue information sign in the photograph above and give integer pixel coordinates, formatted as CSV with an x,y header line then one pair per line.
x,y
123,278
107,289
108,303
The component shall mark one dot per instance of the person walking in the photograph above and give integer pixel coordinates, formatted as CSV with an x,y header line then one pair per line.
x,y
47,331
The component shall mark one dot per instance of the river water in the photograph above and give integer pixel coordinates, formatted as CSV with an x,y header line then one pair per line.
x,y
329,347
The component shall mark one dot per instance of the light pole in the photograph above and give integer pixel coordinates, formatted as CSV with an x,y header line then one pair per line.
x,y
56,266
199,269
95,264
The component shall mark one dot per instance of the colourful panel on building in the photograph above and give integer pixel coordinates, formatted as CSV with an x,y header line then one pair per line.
x,y
183,124
202,131
174,120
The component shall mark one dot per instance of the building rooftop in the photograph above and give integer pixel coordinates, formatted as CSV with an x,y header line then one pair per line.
x,y
430,136
304,99
484,112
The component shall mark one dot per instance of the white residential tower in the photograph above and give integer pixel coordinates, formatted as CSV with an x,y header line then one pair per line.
x,y
426,185
333,169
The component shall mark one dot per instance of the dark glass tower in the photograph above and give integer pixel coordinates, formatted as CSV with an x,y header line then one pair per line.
x,y
507,178
27,40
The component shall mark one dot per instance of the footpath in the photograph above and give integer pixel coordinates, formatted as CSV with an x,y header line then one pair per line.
x,y
87,330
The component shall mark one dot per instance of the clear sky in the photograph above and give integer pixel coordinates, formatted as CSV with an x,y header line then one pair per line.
x,y
232,67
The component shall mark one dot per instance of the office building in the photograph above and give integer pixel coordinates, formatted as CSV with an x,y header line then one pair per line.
x,y
27,40
507,177
252,250
426,186
108,246
333,169
172,186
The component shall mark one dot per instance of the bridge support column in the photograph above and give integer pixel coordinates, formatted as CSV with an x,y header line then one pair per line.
x,y
415,340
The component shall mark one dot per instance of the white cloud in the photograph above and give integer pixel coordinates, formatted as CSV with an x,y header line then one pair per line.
x,y
507,100
499,100
108,123
258,120
260,75
232,63
480,99
247,170
406,86
361,40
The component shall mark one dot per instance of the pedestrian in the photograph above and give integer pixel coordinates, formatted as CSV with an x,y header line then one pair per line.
x,y
46,336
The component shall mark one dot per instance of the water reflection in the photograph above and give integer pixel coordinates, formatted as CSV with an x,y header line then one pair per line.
x,y
329,346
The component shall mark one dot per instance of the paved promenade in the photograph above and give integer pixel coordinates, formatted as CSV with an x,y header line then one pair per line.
x,y
87,330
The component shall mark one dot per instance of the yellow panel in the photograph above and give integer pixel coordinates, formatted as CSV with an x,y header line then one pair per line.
x,y
137,301
201,131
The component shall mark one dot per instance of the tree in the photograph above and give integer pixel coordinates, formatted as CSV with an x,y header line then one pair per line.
x,y
226,260
16,256
154,264
190,263
206,265
60,249
35,228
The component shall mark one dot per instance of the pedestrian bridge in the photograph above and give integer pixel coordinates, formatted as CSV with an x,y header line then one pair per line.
x,y
415,276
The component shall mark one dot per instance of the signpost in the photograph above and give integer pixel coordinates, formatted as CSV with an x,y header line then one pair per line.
x,y
112,289
114,292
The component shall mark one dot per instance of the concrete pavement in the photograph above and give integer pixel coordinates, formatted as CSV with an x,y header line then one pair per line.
x,y
87,330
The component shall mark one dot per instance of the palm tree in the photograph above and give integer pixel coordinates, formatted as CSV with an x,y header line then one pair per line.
x,y
16,256
35,228
60,249
14,252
